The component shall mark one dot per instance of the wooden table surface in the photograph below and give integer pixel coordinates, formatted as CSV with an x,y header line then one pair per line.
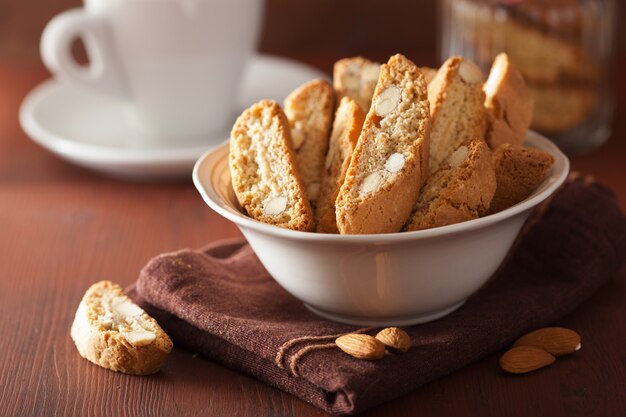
x,y
63,228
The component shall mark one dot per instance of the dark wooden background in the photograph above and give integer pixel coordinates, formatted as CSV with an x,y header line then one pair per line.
x,y
325,28
63,228
291,27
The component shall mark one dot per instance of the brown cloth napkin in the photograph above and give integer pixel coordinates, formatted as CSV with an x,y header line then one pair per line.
x,y
221,303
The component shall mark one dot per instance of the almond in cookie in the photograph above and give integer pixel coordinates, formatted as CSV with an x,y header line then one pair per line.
x,y
263,169
519,171
309,110
456,107
509,104
346,129
356,78
390,161
115,333
460,190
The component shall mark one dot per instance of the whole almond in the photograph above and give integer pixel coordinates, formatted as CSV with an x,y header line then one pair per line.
x,y
387,101
361,346
396,340
558,341
522,359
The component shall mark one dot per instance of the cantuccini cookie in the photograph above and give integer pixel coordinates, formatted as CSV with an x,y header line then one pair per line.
x,y
540,57
508,104
309,110
519,171
356,78
263,169
560,108
345,133
460,190
390,161
456,108
115,333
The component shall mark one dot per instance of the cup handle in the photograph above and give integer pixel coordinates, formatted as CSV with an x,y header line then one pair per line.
x,y
103,73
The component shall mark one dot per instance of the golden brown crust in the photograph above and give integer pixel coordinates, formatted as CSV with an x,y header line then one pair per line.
x,y
509,104
264,173
519,171
460,190
356,78
106,336
390,161
345,134
456,108
309,110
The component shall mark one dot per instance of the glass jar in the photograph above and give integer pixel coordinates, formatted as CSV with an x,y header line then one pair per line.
x,y
563,48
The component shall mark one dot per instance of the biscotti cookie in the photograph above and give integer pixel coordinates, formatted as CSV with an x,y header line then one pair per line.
x,y
346,129
264,174
390,162
115,333
519,171
456,108
542,58
509,104
562,18
558,108
309,110
539,55
356,78
460,190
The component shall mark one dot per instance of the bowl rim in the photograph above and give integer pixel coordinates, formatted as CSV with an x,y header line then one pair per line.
x,y
210,158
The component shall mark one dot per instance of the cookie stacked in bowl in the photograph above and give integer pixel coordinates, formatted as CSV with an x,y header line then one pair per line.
x,y
388,148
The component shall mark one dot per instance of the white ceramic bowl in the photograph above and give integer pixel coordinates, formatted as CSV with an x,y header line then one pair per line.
x,y
386,279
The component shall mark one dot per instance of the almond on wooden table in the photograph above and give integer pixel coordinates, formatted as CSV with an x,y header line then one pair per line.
x,y
558,341
523,359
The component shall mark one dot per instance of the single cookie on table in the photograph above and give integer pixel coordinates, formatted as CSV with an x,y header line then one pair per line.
x,y
309,110
456,108
460,190
519,171
345,133
263,169
390,161
115,333
508,104
356,78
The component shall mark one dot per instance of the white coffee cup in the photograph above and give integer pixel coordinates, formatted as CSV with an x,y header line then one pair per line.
x,y
175,64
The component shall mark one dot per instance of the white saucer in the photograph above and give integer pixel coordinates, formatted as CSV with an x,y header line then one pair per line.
x,y
90,130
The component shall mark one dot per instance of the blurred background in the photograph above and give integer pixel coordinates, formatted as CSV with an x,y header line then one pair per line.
x,y
299,29
321,32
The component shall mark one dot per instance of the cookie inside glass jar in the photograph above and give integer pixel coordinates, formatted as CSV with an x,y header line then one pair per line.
x,y
561,47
